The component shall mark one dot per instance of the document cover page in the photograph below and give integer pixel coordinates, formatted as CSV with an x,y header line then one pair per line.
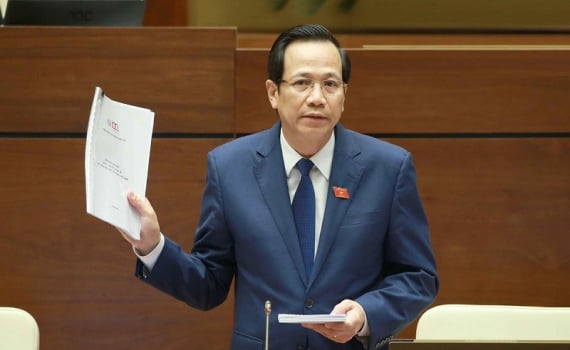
x,y
117,154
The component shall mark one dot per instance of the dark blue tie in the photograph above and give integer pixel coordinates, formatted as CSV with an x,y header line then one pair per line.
x,y
304,213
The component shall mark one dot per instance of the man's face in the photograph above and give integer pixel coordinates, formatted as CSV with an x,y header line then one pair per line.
x,y
309,116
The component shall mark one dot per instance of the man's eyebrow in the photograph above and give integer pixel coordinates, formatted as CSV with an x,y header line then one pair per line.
x,y
311,75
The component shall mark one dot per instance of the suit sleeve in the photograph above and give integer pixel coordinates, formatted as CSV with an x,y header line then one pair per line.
x,y
202,278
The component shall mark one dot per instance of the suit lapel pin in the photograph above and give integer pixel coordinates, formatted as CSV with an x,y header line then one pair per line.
x,y
341,192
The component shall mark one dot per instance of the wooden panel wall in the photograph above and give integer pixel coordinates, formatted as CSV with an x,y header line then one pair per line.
x,y
49,76
74,273
422,89
256,40
488,130
498,210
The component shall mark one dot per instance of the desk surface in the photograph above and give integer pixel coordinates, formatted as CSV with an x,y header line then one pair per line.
x,y
453,345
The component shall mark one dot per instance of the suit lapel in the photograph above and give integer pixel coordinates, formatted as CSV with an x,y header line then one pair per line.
x,y
270,174
345,173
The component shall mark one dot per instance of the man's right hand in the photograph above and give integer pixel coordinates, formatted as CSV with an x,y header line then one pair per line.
x,y
150,229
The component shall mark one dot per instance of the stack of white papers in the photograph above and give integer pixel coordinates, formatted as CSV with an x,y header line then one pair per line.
x,y
117,153
318,318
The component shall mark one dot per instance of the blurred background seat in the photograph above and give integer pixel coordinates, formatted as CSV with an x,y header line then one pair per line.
x,y
494,323
18,330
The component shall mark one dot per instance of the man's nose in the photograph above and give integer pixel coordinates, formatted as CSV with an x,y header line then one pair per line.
x,y
316,93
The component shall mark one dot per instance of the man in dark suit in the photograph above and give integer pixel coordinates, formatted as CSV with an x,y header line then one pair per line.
x,y
365,252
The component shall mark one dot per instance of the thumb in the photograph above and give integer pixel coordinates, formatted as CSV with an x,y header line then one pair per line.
x,y
150,228
134,200
343,307
141,204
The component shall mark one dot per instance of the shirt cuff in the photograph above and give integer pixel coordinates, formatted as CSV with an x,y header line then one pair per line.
x,y
365,331
150,259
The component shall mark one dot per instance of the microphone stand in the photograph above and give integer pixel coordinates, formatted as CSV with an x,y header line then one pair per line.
x,y
267,312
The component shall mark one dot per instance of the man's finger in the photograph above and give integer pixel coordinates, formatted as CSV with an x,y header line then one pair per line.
x,y
126,236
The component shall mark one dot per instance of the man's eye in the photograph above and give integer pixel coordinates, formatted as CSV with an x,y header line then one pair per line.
x,y
331,83
302,82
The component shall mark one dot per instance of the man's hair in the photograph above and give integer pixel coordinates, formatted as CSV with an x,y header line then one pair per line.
x,y
305,32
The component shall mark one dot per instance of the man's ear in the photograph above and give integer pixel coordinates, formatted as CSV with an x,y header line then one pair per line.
x,y
272,93
345,87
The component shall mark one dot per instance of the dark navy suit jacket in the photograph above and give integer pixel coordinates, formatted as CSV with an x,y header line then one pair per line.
x,y
374,246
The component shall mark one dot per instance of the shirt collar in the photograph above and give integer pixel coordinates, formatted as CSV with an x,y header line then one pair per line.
x,y
322,159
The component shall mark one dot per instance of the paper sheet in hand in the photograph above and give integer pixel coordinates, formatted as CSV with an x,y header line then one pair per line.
x,y
117,153
319,318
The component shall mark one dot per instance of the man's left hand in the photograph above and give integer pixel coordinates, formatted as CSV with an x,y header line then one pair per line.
x,y
342,332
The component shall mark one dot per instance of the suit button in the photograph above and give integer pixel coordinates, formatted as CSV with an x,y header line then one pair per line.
x,y
309,303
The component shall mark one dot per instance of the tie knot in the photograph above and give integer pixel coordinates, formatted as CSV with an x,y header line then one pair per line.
x,y
304,165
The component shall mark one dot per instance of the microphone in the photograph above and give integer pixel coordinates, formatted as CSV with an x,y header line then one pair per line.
x,y
267,312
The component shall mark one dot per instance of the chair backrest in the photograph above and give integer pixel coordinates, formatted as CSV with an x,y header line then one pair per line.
x,y
494,322
18,330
